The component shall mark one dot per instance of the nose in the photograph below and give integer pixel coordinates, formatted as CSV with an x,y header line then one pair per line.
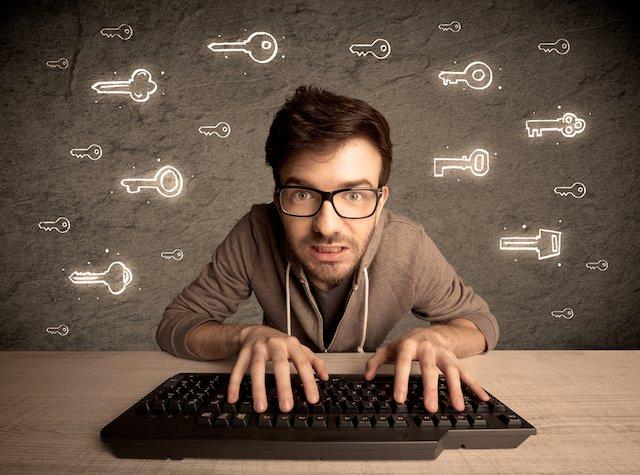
x,y
327,221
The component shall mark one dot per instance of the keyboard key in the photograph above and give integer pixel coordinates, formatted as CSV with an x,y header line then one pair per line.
x,y
300,420
368,407
381,421
265,420
399,420
460,420
385,408
318,421
223,419
479,420
345,421
317,408
400,408
425,421
241,419
511,420
283,420
443,420
205,419
364,421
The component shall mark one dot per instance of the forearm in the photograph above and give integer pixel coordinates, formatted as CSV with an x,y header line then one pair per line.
x,y
460,336
212,341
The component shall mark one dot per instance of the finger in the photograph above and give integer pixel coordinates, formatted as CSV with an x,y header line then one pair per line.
x,y
258,370
453,383
283,380
406,354
305,372
317,363
473,385
379,357
239,368
430,376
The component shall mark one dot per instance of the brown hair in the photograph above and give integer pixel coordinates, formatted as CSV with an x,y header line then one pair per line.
x,y
317,120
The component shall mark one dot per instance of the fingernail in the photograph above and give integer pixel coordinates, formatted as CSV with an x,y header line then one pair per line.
x,y
260,406
399,396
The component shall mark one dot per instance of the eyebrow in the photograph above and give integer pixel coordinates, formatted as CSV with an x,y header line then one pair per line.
x,y
346,184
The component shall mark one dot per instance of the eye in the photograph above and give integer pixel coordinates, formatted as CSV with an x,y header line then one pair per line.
x,y
354,196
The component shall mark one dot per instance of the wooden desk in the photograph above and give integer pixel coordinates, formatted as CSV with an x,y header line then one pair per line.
x,y
584,404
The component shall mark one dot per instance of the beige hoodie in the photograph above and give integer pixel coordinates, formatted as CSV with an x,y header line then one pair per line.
x,y
401,270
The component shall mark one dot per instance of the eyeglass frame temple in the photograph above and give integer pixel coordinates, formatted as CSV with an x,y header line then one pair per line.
x,y
327,196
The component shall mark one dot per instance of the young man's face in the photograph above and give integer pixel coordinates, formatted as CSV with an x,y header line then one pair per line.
x,y
357,160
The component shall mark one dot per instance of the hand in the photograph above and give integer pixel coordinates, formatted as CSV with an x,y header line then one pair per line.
x,y
259,344
428,348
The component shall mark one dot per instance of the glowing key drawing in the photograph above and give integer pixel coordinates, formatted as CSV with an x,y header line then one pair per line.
x,y
92,152
577,190
139,86
477,163
261,46
62,63
117,277
167,181
221,129
379,49
560,46
566,313
477,75
547,243
568,125
62,225
453,26
62,330
124,32
176,254
601,265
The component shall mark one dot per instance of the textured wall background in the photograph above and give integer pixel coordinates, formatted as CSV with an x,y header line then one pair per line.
x,y
48,111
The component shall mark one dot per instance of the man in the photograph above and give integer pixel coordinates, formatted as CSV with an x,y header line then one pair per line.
x,y
332,268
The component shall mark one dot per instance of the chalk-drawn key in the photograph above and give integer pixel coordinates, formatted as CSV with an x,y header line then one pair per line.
x,y
453,26
546,244
62,63
577,190
221,129
92,152
139,86
62,225
60,330
161,182
477,75
568,125
261,46
117,277
176,254
560,46
124,32
566,313
477,162
379,49
601,265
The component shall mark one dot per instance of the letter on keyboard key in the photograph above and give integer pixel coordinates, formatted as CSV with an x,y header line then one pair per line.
x,y
444,421
345,421
364,421
223,419
205,419
511,420
425,421
265,420
300,420
241,419
318,421
461,420
381,421
479,421
283,420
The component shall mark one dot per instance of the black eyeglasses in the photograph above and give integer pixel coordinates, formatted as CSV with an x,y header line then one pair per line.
x,y
350,203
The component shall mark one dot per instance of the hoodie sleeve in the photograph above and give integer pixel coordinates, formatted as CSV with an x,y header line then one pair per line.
x,y
215,294
441,295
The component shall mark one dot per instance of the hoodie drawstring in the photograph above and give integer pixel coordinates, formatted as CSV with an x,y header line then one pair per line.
x,y
366,306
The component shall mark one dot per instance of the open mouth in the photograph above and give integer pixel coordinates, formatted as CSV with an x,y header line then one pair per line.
x,y
328,253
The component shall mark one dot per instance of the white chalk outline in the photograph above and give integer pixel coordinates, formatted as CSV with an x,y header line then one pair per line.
x,y
86,152
268,42
519,243
134,185
469,76
50,225
566,313
567,125
176,254
97,277
549,47
109,32
61,330
61,63
379,48
602,265
124,87
440,164
573,190
454,26
209,130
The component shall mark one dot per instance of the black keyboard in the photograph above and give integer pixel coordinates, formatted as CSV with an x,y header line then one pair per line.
x,y
189,416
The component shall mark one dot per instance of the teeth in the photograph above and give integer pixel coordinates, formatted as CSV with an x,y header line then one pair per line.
x,y
328,249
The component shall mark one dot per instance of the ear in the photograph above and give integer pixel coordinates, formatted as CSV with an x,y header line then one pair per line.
x,y
383,200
